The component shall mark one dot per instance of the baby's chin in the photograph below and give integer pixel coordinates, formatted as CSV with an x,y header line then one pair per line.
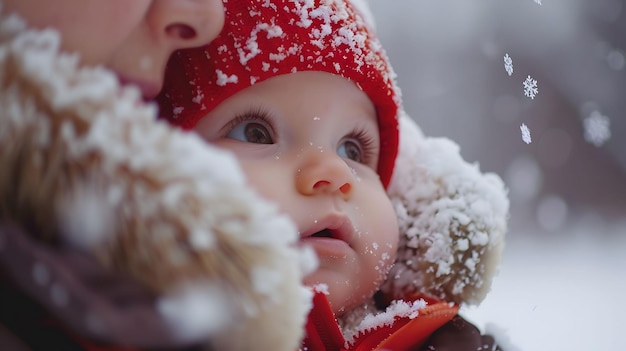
x,y
343,292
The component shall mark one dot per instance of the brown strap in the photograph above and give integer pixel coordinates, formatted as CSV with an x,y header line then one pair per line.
x,y
82,295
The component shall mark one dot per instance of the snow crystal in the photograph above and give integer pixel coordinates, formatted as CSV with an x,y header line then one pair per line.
x,y
321,288
277,57
525,133
199,96
86,218
337,67
178,110
252,46
222,49
597,128
266,281
273,31
308,260
172,195
269,4
508,64
462,244
397,309
538,2
196,311
530,87
479,238
223,79
471,263
270,227
325,13
201,240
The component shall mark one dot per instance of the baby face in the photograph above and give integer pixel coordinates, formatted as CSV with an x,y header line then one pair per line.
x,y
133,38
309,142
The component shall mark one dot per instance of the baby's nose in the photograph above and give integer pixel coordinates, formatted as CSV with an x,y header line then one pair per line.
x,y
324,172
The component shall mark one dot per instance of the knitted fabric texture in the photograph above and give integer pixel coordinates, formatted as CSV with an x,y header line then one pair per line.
x,y
263,39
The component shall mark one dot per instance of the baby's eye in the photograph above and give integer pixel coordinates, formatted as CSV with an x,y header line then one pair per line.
x,y
350,149
256,132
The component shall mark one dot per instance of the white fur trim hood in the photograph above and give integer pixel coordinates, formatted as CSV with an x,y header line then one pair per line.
x,y
452,220
83,158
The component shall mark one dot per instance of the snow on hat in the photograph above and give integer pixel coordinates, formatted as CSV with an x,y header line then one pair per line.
x,y
262,39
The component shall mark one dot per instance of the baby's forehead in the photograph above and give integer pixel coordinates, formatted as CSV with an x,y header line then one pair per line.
x,y
317,100
295,89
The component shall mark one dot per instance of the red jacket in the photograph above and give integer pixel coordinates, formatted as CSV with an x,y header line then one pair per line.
x,y
323,333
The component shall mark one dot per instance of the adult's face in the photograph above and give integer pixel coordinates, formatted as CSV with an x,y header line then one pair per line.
x,y
134,38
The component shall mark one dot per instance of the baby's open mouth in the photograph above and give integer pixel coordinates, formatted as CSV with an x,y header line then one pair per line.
x,y
337,226
324,233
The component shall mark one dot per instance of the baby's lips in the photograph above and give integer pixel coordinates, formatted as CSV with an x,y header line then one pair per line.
x,y
337,224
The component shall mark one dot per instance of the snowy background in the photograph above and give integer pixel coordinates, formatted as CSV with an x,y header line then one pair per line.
x,y
562,280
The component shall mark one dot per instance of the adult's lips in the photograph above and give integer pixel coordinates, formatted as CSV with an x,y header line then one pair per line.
x,y
149,90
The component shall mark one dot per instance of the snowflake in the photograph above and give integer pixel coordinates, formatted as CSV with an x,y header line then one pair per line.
x,y
597,128
538,2
508,64
525,134
530,87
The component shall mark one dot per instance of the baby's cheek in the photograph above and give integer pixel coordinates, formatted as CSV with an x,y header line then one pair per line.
x,y
380,258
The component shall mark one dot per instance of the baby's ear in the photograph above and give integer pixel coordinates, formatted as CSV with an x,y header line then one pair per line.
x,y
452,220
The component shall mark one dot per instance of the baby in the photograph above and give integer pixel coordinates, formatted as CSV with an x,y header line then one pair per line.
x,y
312,118
303,95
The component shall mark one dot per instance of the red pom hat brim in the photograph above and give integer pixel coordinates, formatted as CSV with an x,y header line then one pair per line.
x,y
262,39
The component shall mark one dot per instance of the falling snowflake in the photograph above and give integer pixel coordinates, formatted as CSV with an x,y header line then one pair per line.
x,y
530,87
538,2
597,128
508,64
525,134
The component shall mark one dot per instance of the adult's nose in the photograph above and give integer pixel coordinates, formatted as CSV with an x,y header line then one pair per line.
x,y
187,23
324,173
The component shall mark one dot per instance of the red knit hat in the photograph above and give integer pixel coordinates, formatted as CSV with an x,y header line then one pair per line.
x,y
262,39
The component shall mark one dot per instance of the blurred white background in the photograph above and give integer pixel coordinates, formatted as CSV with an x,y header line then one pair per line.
x,y
562,277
